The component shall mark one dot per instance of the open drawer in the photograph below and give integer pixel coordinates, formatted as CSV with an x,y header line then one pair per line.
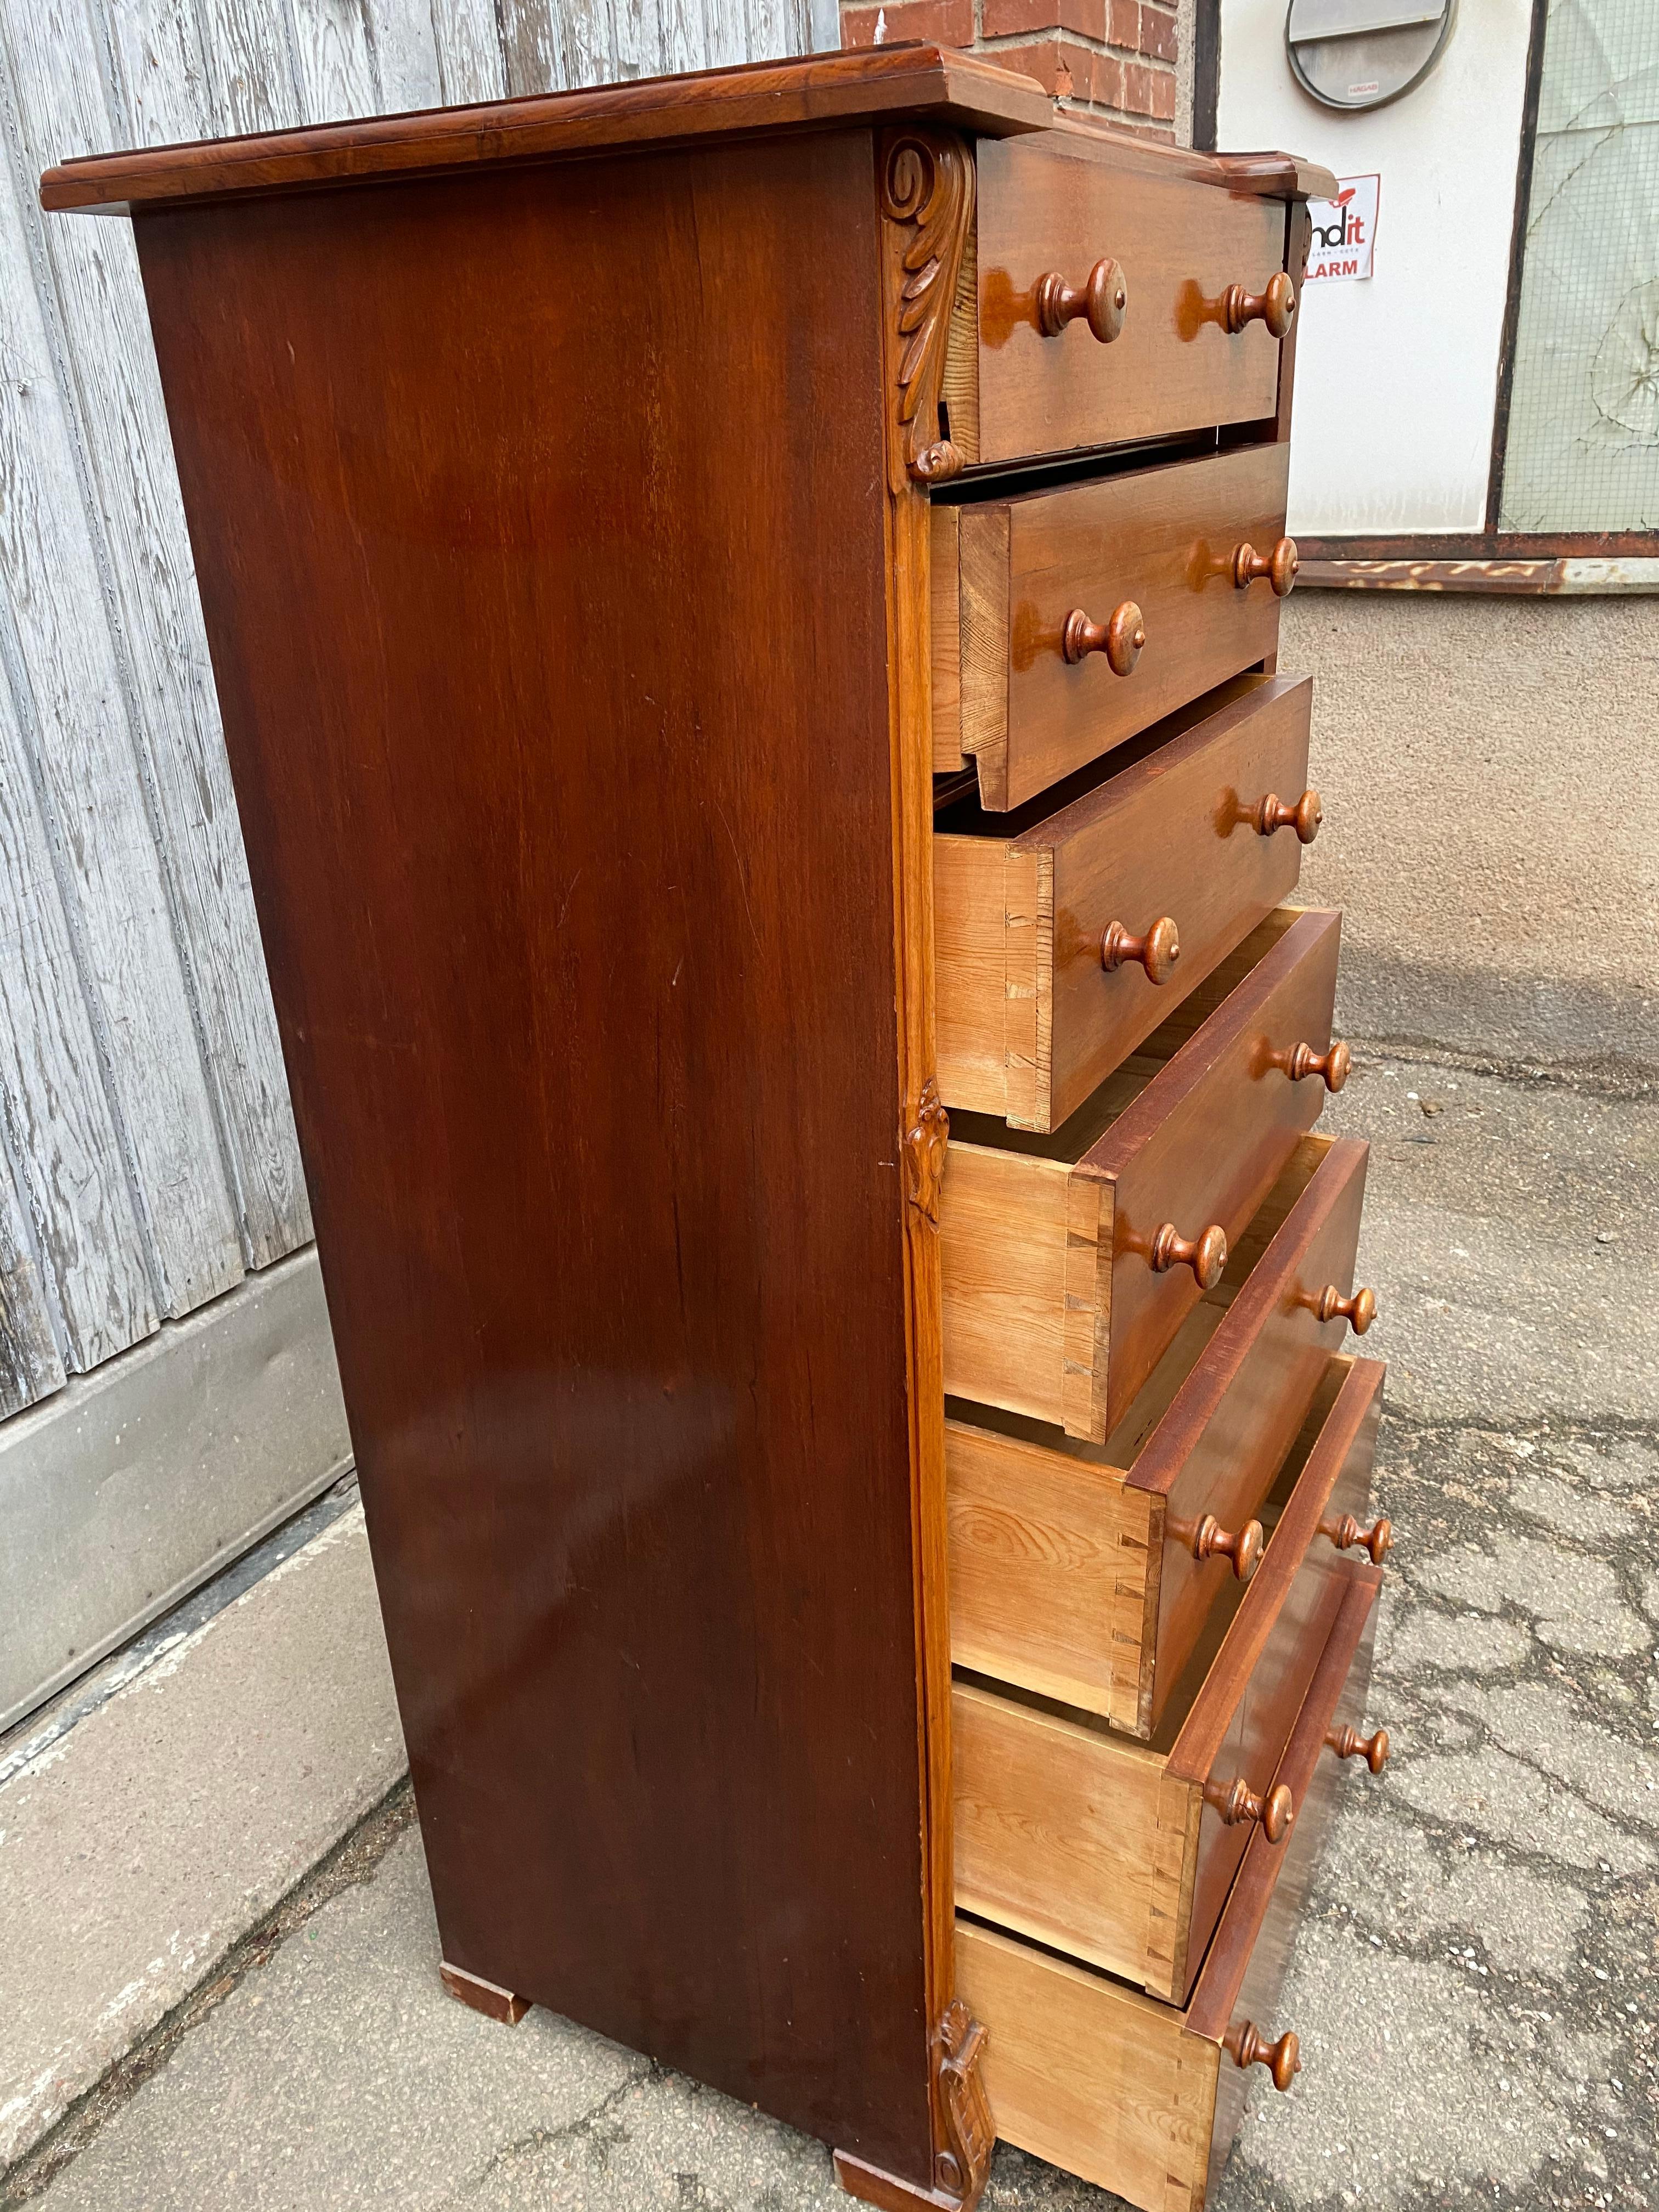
x,y
1083,616
1122,1853
1086,1573
1065,935
1186,333
1140,2096
1068,1261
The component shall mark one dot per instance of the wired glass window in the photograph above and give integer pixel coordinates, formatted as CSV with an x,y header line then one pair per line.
x,y
1583,448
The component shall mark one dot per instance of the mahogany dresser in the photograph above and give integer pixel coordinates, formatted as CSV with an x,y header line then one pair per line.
x,y
745,612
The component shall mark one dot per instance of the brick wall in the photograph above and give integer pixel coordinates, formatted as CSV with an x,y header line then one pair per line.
x,y
1115,57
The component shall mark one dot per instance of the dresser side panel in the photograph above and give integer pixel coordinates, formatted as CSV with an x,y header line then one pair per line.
x,y
539,517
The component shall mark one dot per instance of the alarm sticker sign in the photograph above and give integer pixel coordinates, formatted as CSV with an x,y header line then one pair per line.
x,y
1343,231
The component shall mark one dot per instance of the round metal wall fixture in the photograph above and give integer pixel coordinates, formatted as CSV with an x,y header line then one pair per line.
x,y
1364,54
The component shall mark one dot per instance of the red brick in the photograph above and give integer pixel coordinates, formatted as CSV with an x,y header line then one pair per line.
x,y
1001,18
1108,81
1047,63
1157,34
935,22
1163,96
1138,88
1123,25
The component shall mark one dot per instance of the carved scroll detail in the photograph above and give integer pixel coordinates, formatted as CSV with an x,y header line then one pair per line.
x,y
925,1143
963,2167
927,198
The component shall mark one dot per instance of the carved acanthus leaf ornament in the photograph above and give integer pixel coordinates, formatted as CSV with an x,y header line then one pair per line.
x,y
927,199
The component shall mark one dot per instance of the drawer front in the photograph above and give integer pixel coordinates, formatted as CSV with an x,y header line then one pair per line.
x,y
1224,1438
1172,841
1243,1978
1030,1018
1119,1855
1068,1577
1205,1142
1160,541
1051,1303
1173,366
1126,2092
1336,1479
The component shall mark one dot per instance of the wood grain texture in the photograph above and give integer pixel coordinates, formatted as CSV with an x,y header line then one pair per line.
x,y
1163,538
1091,2075
994,940
590,1369
965,88
249,58
1073,1837
76,1269
1218,1448
155,56
1135,2095
1244,1974
1066,1578
946,88
921,179
30,1367
1053,1561
1062,202
1206,1140
471,66
1115,2086
334,58
1240,1719
405,44
946,636
1116,1852
240,1199
1052,1307
73,715
1163,835
1026,1271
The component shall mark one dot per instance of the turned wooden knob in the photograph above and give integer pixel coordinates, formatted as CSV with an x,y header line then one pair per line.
x,y
1206,1255
1276,813
1208,1540
1103,300
1157,952
1120,637
1236,1801
1359,1311
1246,2046
1348,1743
1275,306
1278,568
1301,1060
1351,1535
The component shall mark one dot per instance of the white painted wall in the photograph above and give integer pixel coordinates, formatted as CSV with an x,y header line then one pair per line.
x,y
1396,378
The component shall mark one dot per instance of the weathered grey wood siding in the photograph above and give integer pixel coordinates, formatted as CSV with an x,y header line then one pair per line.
x,y
146,1150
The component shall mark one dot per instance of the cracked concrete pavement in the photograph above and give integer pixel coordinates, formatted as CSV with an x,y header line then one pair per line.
x,y
1475,1983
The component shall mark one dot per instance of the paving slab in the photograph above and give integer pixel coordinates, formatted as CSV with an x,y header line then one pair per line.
x,y
138,1845
1511,1230
1474,1983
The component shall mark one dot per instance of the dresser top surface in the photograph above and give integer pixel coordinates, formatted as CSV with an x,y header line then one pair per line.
x,y
927,83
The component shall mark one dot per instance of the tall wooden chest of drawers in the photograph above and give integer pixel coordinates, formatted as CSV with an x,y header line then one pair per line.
x,y
745,610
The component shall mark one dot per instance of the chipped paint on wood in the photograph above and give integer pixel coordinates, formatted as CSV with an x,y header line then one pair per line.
x,y
147,1148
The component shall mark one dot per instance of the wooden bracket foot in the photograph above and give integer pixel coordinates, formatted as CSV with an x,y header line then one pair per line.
x,y
961,2167
871,2186
487,1997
